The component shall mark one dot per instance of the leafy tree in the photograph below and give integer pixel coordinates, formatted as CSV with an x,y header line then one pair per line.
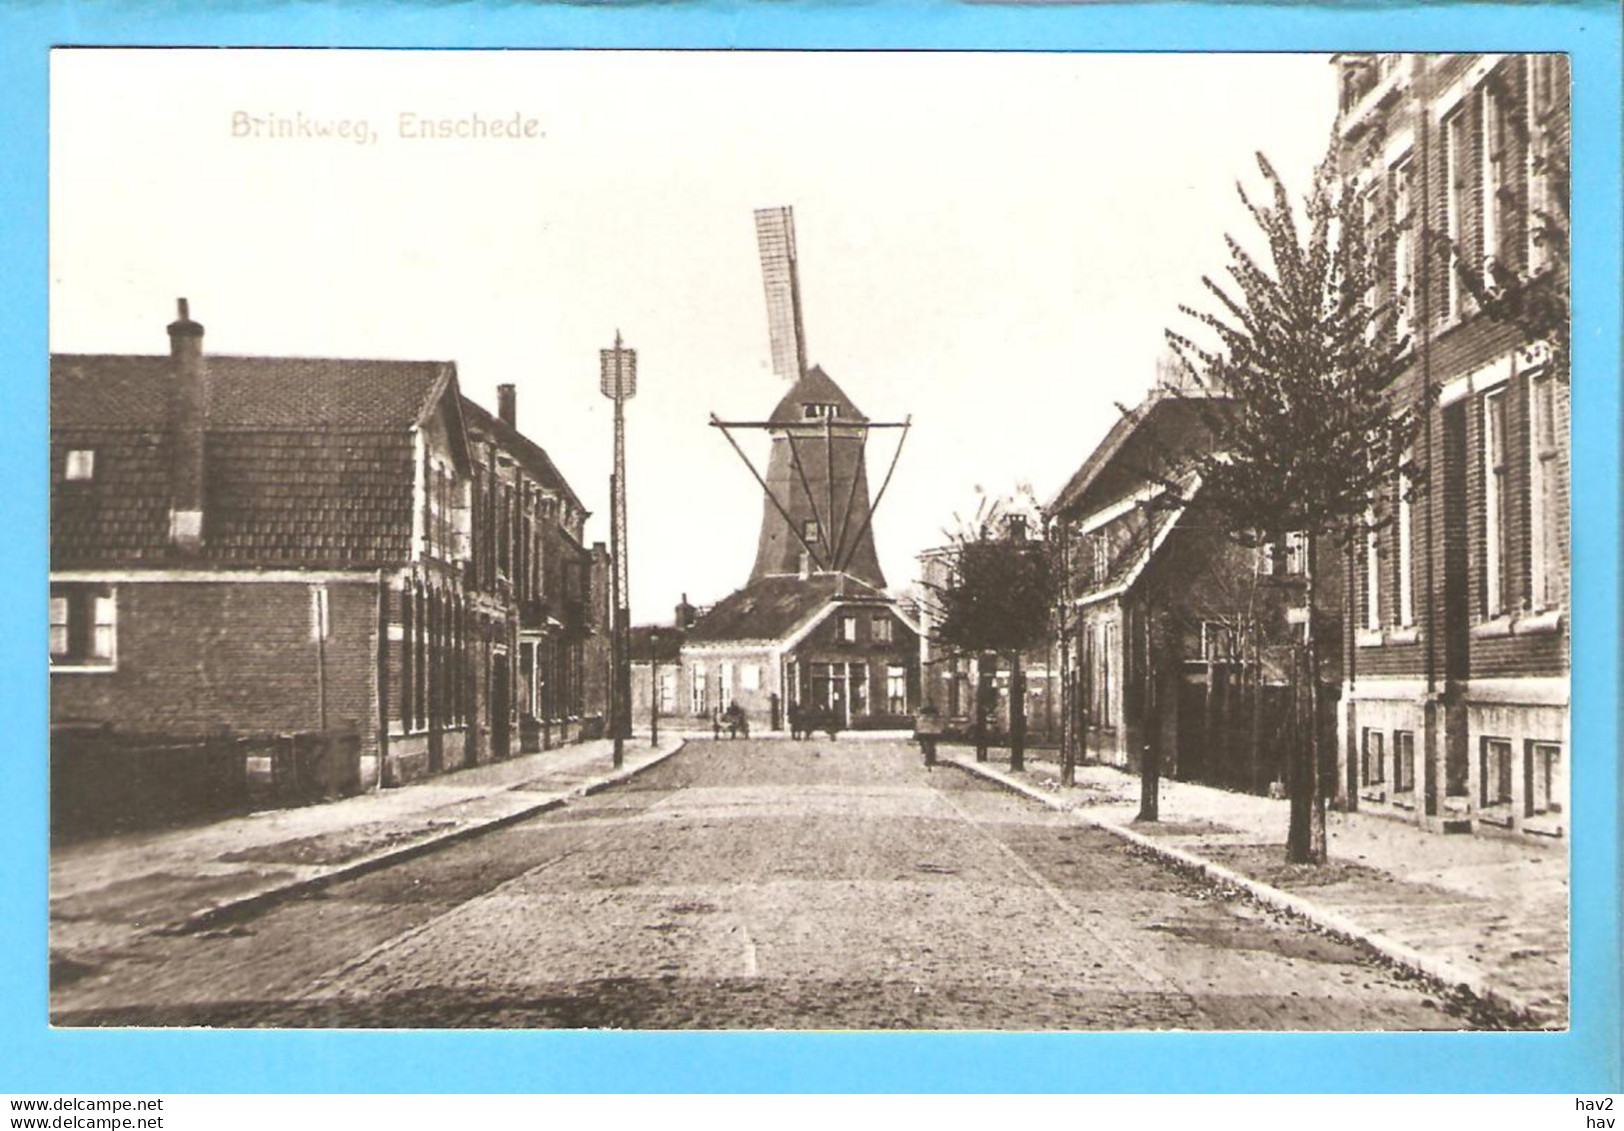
x,y
997,598
1305,435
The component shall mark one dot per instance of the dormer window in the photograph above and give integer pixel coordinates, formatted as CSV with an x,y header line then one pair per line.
x,y
80,466
819,411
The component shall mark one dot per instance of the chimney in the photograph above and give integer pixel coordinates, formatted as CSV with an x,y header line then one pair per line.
x,y
685,613
507,405
188,402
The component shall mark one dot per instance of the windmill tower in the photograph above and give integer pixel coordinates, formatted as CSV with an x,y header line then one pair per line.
x,y
816,513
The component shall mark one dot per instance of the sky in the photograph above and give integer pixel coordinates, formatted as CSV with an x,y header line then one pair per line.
x,y
992,244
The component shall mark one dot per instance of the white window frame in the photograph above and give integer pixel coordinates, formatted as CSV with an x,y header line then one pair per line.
x,y
1499,800
724,685
750,677
1373,576
880,629
1453,130
1404,238
848,628
896,689
668,691
1544,465
1491,109
1542,778
100,604
1403,533
697,702
1494,563
1542,74
1404,761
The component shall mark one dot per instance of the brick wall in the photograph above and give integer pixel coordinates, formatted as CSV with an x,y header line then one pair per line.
x,y
198,657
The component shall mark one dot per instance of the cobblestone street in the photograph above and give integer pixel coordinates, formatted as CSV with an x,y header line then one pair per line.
x,y
765,884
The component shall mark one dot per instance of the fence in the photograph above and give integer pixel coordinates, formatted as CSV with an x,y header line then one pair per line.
x,y
103,780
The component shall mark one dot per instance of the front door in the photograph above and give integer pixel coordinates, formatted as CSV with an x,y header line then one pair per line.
x,y
500,707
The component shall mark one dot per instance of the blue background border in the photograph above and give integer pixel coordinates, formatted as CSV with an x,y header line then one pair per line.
x,y
1587,1058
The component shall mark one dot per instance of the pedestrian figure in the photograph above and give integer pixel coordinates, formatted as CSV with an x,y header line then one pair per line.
x,y
927,728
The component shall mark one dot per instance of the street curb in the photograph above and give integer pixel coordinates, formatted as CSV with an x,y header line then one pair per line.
x,y
246,905
1400,954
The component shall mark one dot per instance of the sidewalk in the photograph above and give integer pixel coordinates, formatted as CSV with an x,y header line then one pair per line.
x,y
1484,912
107,891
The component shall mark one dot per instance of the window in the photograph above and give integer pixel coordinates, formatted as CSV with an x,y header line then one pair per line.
x,y
819,411
1494,173
1104,639
1373,576
1406,552
1495,772
1496,505
1458,191
881,629
857,674
896,690
724,685
1370,218
1546,89
810,532
668,692
828,688
1373,759
1404,241
1550,578
1100,558
1287,558
848,629
1217,642
321,625
696,690
750,676
80,465
1542,779
84,626
1403,761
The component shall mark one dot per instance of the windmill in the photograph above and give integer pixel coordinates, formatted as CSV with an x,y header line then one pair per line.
x,y
816,513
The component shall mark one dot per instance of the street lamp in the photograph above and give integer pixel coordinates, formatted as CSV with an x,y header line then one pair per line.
x,y
654,687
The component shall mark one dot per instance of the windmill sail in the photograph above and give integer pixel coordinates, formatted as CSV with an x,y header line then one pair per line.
x,y
775,236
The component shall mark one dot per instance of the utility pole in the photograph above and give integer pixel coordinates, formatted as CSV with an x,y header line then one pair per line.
x,y
654,688
618,382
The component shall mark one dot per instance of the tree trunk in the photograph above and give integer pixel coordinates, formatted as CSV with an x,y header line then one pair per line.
x,y
1068,708
1017,713
979,727
1150,762
1305,838
1256,744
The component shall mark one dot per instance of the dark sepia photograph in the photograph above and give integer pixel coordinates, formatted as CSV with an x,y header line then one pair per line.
x,y
775,540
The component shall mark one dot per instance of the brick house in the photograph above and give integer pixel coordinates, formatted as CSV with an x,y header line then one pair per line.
x,y
1456,667
530,554
273,545
1178,634
828,642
